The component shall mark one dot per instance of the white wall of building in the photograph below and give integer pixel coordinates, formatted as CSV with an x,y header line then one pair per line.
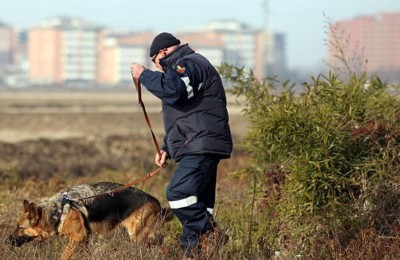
x,y
80,55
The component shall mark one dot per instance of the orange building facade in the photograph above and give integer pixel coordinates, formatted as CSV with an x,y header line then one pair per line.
x,y
64,50
45,56
373,39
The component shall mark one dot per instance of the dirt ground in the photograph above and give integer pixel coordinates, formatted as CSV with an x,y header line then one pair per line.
x,y
74,133
30,115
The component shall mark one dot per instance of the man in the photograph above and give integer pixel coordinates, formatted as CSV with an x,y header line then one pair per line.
x,y
197,133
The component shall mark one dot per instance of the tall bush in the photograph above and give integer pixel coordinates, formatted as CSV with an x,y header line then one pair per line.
x,y
321,153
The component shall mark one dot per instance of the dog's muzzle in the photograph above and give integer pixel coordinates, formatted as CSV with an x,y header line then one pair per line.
x,y
18,241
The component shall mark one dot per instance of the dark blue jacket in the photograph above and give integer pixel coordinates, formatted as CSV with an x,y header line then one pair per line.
x,y
194,104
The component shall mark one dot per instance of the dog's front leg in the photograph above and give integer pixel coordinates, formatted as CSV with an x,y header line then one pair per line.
x,y
72,226
69,250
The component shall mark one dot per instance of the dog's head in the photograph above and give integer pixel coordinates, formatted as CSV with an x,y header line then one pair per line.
x,y
29,227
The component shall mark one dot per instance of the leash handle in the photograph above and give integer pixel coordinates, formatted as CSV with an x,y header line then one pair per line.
x,y
137,84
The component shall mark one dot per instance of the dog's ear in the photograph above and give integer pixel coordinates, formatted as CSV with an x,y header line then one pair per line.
x,y
26,206
34,215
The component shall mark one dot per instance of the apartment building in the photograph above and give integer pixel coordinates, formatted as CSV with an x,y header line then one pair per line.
x,y
120,50
237,40
64,50
243,46
373,40
7,42
270,54
220,41
68,50
208,44
118,53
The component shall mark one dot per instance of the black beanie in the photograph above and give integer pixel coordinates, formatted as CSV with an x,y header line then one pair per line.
x,y
162,41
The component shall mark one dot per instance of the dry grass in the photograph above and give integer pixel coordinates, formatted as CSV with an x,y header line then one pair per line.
x,y
51,140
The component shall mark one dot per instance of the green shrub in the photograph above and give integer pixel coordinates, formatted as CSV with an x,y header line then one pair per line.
x,y
320,155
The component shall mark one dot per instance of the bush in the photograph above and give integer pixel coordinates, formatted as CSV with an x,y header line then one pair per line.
x,y
322,156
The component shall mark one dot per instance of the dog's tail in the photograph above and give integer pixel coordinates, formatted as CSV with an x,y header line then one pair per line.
x,y
167,214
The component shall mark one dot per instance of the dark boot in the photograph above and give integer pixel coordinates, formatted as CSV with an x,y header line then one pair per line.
x,y
194,253
212,241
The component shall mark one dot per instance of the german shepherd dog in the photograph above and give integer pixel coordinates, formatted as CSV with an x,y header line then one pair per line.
x,y
76,214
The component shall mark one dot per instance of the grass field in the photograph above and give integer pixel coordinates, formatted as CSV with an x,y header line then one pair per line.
x,y
50,140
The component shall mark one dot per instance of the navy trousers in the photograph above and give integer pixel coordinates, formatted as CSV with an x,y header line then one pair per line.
x,y
191,195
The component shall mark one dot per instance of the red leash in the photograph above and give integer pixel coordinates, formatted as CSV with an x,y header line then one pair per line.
x,y
139,91
148,175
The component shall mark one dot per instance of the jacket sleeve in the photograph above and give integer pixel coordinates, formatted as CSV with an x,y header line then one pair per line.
x,y
165,147
176,85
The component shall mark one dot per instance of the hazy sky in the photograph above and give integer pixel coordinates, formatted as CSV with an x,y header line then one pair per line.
x,y
302,21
